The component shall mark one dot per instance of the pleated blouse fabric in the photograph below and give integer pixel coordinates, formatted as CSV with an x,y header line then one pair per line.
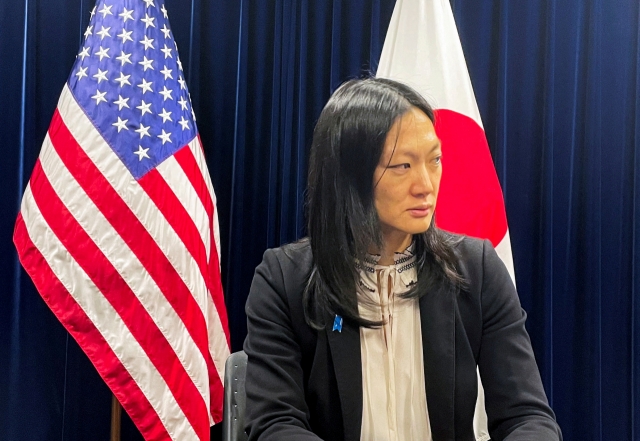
x,y
393,383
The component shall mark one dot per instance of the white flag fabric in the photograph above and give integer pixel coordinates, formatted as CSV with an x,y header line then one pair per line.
x,y
422,49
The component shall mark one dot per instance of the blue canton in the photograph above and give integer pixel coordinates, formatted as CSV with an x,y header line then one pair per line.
x,y
129,81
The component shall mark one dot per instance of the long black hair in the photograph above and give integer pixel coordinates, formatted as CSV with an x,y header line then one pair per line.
x,y
343,224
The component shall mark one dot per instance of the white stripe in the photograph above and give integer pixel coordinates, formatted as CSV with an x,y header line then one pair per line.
x,y
179,183
422,48
147,213
196,149
128,266
107,321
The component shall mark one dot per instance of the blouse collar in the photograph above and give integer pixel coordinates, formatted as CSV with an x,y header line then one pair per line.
x,y
402,260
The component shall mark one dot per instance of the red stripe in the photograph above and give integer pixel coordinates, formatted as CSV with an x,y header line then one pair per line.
x,y
106,278
134,234
88,337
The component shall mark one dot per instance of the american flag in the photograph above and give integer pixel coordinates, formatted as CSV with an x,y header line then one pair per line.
x,y
118,227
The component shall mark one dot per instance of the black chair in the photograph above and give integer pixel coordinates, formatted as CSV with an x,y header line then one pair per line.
x,y
235,398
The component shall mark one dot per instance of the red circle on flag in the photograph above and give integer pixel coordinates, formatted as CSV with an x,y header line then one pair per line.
x,y
470,200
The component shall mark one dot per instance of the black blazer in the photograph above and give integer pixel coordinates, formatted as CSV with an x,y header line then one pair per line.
x,y
304,384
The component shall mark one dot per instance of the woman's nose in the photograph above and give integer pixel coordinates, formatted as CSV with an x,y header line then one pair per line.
x,y
422,182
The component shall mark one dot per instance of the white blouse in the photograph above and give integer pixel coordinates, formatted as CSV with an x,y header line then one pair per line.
x,y
393,385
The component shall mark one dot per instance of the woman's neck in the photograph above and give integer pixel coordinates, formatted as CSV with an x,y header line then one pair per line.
x,y
395,242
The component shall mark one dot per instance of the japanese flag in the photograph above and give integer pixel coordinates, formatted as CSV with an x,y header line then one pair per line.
x,y
422,49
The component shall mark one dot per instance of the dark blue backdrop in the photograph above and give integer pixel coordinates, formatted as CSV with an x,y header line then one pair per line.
x,y
558,85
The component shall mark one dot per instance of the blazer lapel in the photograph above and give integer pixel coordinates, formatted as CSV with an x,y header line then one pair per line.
x,y
437,320
345,352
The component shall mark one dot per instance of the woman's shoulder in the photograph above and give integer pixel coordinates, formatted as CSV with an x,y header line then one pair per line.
x,y
466,248
287,265
296,255
475,256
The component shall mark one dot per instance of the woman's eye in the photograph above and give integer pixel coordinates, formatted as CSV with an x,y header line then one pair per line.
x,y
400,166
438,160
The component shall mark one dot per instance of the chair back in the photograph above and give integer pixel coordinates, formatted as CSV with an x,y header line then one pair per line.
x,y
235,398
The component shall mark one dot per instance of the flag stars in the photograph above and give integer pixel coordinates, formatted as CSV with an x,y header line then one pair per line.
x,y
143,131
166,72
121,102
145,86
146,63
179,63
142,153
126,15
183,103
104,32
123,79
182,83
147,42
103,52
106,10
164,11
89,31
124,35
93,12
166,93
124,58
144,108
166,31
165,137
184,123
99,97
148,21
82,72
167,52
149,3
166,116
101,75
121,124
84,52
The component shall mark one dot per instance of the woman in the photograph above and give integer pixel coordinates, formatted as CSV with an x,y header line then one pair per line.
x,y
373,327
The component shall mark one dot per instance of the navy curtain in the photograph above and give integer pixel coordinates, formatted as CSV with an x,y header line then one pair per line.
x,y
558,85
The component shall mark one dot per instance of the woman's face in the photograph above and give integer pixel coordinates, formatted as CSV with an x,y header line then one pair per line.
x,y
407,178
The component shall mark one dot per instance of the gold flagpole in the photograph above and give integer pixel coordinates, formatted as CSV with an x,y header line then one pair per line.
x,y
116,414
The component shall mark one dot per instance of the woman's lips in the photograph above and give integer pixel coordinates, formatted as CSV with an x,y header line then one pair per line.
x,y
420,211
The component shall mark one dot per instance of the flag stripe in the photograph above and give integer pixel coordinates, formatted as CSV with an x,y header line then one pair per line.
x,y
104,285
186,196
141,303
99,311
146,211
189,164
87,335
198,153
